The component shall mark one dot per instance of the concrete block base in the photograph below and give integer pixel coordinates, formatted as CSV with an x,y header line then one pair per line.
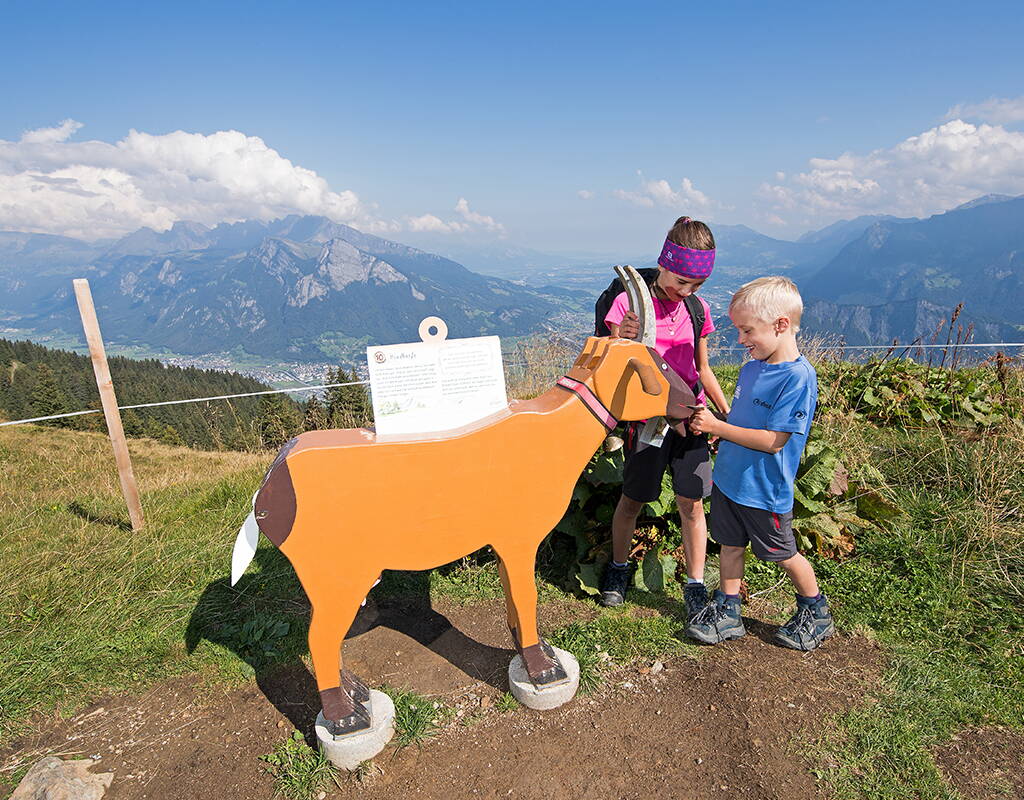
x,y
547,697
350,751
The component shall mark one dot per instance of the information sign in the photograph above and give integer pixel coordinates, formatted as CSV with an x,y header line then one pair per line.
x,y
436,384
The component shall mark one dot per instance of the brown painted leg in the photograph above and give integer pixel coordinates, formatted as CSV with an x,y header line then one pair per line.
x,y
326,633
520,584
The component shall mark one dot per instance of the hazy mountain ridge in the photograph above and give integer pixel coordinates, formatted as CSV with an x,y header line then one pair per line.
x,y
897,273
308,288
302,288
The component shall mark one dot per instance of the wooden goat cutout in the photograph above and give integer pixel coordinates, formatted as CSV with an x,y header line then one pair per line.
x,y
503,481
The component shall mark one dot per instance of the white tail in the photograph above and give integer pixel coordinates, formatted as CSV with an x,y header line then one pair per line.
x,y
245,546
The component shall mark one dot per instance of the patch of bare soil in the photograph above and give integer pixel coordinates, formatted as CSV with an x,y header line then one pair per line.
x,y
984,763
723,725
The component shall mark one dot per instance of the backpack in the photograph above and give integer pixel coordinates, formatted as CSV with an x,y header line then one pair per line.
x,y
649,274
604,302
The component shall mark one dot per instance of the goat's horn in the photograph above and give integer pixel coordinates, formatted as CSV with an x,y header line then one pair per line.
x,y
640,303
648,377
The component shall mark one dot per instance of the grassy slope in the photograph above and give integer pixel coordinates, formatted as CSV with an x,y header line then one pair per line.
x,y
90,607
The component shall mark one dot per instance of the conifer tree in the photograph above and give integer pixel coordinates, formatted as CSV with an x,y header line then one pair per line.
x,y
348,406
47,396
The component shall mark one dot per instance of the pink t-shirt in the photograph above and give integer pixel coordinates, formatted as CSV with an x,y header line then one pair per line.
x,y
674,340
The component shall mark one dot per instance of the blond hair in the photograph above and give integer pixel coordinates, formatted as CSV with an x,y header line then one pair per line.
x,y
770,298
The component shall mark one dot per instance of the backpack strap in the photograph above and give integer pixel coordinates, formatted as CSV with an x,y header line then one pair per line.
x,y
696,310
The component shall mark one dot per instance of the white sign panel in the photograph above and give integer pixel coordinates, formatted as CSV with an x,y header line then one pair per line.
x,y
437,384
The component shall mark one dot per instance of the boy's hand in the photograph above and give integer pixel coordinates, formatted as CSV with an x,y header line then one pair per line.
x,y
704,421
629,328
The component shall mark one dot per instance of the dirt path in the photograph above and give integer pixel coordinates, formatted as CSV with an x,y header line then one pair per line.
x,y
719,726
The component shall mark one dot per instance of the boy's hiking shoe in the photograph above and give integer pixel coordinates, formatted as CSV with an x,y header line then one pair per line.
x,y
614,582
696,597
808,627
718,621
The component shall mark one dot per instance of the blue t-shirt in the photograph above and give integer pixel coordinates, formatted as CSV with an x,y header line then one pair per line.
x,y
770,397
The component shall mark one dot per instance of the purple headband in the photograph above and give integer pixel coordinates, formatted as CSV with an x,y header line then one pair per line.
x,y
686,261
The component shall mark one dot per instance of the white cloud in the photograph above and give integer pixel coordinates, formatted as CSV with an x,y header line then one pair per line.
x,y
96,189
478,220
428,223
585,194
59,134
470,222
661,193
924,174
999,110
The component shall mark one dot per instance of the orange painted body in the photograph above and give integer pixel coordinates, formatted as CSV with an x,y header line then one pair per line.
x,y
363,504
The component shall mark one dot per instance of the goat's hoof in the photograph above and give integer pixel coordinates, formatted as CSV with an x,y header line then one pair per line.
x,y
542,665
349,751
357,690
564,680
358,720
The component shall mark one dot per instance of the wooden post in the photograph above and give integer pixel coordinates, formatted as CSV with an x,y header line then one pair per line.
x,y
109,400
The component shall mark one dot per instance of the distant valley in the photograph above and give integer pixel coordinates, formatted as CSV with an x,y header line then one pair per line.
x,y
307,290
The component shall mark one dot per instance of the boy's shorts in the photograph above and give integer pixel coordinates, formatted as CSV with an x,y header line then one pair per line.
x,y
770,535
687,456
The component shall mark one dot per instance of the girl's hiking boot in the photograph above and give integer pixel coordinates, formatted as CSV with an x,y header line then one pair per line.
x,y
695,596
809,626
614,582
718,621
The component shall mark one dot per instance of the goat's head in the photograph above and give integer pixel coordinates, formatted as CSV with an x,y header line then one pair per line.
x,y
632,380
630,377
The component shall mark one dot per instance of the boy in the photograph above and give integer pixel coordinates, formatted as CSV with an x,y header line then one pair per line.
x,y
762,440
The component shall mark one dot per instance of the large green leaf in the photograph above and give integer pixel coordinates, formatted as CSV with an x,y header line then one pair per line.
x,y
606,468
588,577
812,506
871,505
818,473
654,571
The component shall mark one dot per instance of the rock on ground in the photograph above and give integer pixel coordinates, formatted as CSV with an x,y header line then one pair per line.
x,y
54,779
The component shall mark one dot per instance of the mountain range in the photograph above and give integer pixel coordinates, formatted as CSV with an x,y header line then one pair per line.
x,y
305,288
301,288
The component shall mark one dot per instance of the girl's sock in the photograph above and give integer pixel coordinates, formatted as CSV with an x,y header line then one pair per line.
x,y
694,580
623,565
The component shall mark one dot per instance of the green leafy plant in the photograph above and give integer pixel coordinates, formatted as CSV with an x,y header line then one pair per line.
x,y
588,523
416,717
299,771
902,392
507,702
831,505
258,639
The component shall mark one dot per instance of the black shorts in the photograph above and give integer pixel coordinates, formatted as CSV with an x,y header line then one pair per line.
x,y
770,535
687,457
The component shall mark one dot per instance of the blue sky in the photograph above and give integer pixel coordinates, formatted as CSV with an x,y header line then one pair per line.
x,y
555,123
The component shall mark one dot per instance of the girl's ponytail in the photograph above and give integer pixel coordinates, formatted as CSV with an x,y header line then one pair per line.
x,y
691,233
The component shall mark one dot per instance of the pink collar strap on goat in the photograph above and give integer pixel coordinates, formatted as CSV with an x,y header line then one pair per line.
x,y
594,406
685,261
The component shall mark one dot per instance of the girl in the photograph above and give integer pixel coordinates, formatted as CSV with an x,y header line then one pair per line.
x,y
686,261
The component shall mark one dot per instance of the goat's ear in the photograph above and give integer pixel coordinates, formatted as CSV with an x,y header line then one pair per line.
x,y
594,347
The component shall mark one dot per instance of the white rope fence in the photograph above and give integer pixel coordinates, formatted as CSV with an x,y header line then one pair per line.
x,y
190,400
318,387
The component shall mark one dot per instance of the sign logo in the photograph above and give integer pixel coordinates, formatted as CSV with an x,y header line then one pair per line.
x,y
379,357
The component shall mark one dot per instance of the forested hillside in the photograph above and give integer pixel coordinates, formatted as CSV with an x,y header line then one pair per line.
x,y
36,381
